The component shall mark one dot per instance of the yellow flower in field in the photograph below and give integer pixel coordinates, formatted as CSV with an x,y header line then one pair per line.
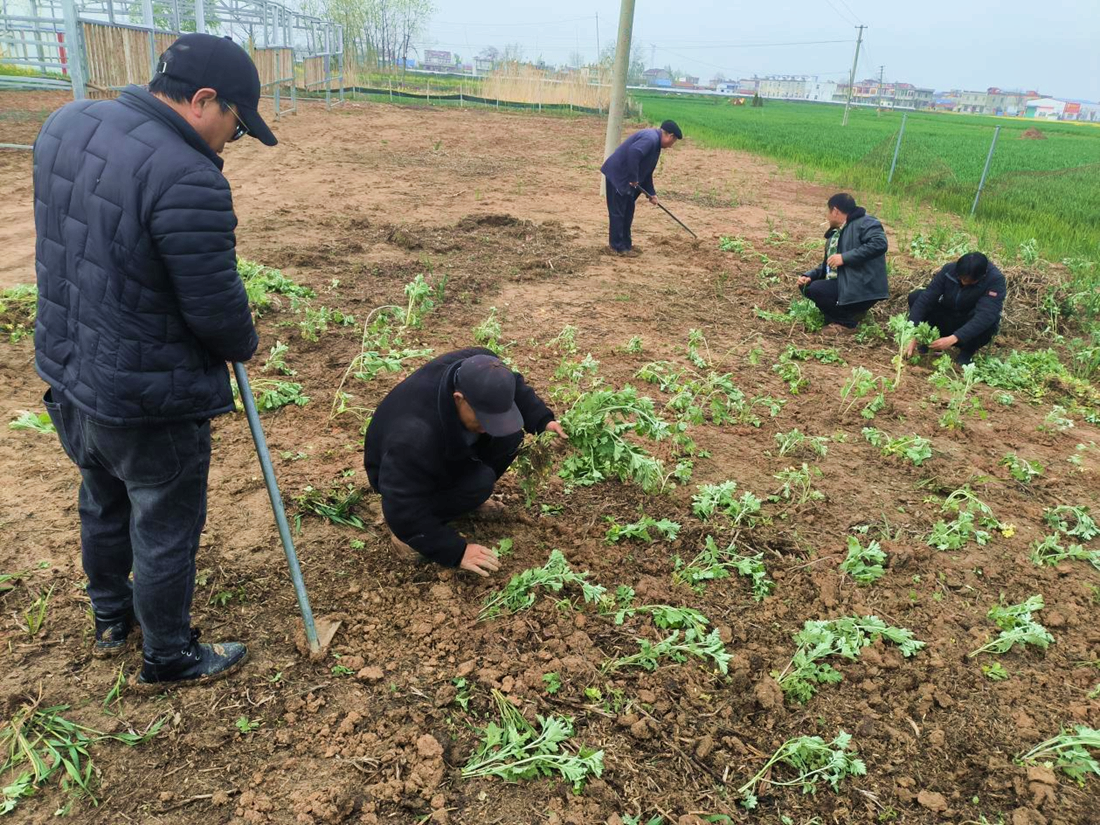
x,y
1008,530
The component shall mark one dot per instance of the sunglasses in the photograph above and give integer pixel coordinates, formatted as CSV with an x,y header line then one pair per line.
x,y
241,129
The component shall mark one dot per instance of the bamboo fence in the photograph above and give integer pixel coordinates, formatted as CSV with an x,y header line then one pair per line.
x,y
526,84
117,57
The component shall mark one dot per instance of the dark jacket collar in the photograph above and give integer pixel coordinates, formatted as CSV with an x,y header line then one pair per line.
x,y
455,445
139,98
951,276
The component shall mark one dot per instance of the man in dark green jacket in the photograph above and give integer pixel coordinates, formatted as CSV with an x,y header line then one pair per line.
x,y
851,277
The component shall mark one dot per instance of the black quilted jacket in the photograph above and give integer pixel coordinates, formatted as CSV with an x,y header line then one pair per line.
x,y
139,301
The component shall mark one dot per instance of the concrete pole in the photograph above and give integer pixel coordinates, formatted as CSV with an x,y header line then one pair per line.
x,y
852,77
618,83
200,16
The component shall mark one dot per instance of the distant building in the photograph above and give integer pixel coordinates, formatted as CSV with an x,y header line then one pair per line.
x,y
785,87
437,61
821,90
657,77
1046,108
687,82
728,87
748,86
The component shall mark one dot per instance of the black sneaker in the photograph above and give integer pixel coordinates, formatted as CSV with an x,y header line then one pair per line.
x,y
197,664
964,358
112,638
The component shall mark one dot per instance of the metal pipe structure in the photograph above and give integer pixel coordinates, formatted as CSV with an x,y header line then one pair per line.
x,y
985,171
276,504
897,147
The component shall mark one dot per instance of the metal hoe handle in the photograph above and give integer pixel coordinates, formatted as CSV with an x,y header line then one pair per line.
x,y
276,504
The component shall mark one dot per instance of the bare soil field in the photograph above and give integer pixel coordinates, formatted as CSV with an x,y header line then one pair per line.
x,y
355,203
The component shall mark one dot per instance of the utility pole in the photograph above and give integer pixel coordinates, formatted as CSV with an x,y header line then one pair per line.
x,y
852,77
618,82
881,90
597,38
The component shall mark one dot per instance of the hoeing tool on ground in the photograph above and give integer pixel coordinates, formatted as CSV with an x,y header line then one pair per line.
x,y
662,206
318,635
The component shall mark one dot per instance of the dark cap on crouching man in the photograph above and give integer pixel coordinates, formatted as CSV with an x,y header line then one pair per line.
x,y
438,443
139,307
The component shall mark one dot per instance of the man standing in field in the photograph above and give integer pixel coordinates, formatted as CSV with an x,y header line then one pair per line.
x,y
437,445
851,277
964,302
139,308
629,173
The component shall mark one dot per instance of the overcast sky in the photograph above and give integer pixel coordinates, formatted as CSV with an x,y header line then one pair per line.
x,y
1049,45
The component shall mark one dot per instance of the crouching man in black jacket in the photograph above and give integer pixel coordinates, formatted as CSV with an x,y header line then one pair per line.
x,y
438,443
964,301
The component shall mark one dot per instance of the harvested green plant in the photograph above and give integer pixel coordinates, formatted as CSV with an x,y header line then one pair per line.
x,y
262,284
514,749
677,646
716,563
798,485
915,448
42,745
1073,521
598,424
906,332
1017,627
813,761
36,422
18,310
722,499
639,530
864,564
1050,551
520,592
336,504
1068,752
1021,469
844,637
796,443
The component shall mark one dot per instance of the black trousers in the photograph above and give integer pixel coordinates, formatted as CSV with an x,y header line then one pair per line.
x,y
473,488
620,216
947,322
825,292
142,507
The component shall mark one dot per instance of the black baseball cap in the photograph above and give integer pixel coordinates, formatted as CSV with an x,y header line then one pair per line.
x,y
208,62
674,130
489,387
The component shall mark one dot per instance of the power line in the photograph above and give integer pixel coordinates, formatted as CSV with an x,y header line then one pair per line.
x,y
849,8
848,19
694,45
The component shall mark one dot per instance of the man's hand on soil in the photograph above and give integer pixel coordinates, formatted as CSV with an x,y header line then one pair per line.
x,y
940,344
910,349
804,279
479,559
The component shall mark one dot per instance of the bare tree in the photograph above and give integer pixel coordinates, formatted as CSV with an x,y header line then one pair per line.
x,y
576,59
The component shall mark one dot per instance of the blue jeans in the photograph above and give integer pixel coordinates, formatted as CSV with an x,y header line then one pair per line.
x,y
142,510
